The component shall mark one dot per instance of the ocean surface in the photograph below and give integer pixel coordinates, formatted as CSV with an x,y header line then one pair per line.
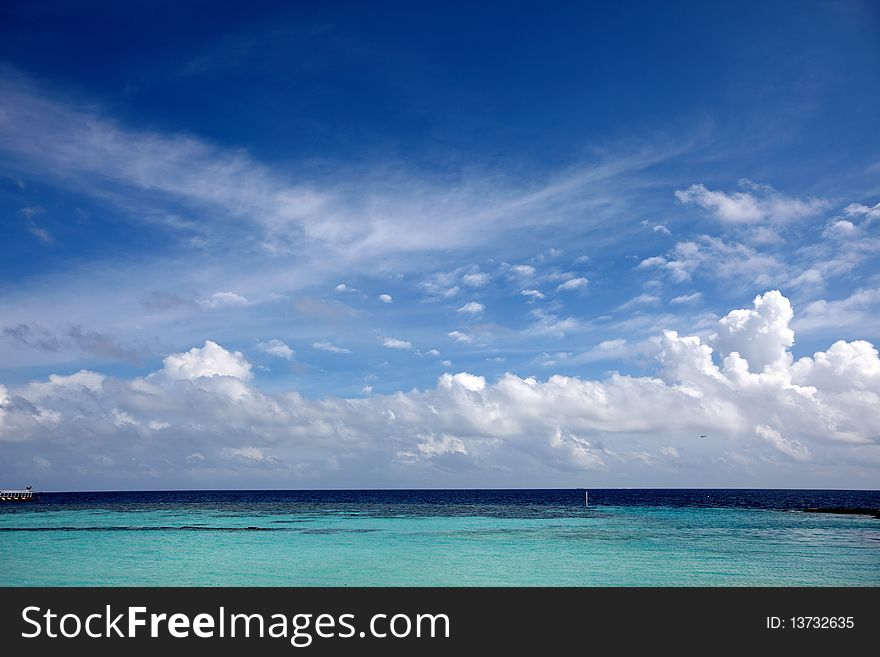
x,y
441,538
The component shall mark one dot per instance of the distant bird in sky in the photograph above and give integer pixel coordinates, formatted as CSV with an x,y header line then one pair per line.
x,y
703,436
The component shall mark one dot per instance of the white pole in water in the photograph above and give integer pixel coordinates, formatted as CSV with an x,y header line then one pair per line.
x,y
586,498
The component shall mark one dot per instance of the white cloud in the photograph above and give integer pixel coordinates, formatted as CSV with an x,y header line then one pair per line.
x,y
864,211
220,299
433,352
859,310
552,360
547,323
526,271
216,200
463,379
477,279
394,343
443,284
573,284
432,446
717,258
342,288
844,366
532,294
640,300
818,415
277,348
323,345
458,336
693,297
841,228
208,361
472,308
653,261
41,233
761,334
386,298
760,203
764,235
657,228
792,448
247,453
605,350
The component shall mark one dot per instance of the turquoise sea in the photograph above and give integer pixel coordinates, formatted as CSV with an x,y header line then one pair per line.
x,y
441,538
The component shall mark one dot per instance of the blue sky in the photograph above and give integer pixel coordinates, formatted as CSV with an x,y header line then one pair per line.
x,y
352,202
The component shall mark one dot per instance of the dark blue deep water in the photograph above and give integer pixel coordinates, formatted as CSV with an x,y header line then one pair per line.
x,y
638,537
513,502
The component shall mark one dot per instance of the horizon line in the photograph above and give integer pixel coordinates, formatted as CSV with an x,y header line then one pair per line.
x,y
535,488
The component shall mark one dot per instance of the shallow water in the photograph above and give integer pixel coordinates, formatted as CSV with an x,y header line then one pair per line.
x,y
440,538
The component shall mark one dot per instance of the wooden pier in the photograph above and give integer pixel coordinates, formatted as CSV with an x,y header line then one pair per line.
x,y
26,495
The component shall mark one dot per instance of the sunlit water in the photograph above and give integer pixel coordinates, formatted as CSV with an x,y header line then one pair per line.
x,y
440,538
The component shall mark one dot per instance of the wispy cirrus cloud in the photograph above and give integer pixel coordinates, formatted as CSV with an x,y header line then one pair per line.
x,y
40,233
76,145
324,345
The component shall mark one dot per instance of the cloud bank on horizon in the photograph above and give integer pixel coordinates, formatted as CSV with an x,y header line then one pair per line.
x,y
302,249
199,419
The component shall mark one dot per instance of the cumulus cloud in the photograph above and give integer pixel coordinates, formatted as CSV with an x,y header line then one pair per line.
x,y
386,298
760,334
277,348
532,295
472,308
208,361
759,203
573,284
766,416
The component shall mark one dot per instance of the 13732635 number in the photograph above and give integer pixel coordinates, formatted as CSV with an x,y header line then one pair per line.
x,y
821,622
